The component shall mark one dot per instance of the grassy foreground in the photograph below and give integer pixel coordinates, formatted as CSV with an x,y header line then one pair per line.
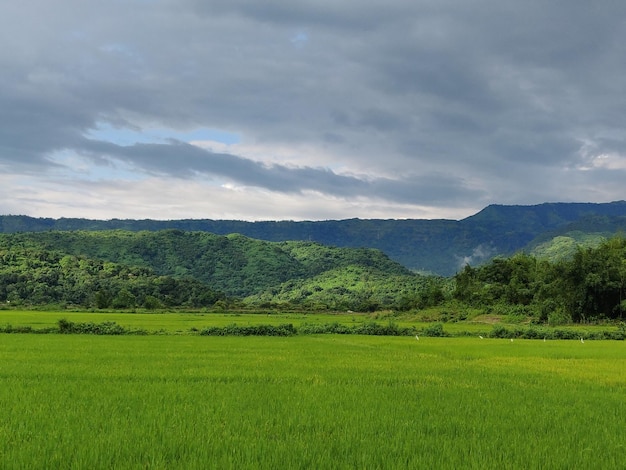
x,y
328,401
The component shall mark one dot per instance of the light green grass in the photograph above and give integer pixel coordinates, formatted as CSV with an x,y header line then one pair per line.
x,y
319,402
183,323
169,322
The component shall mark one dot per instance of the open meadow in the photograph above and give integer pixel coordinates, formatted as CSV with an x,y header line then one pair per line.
x,y
186,322
311,401
170,322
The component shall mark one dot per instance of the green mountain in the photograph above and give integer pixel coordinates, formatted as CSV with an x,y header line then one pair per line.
x,y
168,266
436,246
587,232
31,274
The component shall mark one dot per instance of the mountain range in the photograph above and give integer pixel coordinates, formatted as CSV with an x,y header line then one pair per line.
x,y
440,246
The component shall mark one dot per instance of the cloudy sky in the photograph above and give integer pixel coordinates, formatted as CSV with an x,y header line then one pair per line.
x,y
309,109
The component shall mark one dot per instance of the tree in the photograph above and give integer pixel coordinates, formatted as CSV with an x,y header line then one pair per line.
x,y
124,299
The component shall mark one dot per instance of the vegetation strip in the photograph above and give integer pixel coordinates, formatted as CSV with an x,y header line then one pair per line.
x,y
169,270
287,329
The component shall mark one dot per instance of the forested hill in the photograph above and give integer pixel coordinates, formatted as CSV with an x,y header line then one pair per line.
x,y
235,265
437,246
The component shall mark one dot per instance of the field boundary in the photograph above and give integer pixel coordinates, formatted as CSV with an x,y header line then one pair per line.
x,y
371,328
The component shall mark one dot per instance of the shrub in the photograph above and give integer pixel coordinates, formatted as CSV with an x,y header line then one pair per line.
x,y
370,328
326,328
16,329
500,331
376,329
104,328
435,330
152,303
256,330
559,317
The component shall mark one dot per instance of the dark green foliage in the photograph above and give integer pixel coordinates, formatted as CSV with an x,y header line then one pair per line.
x,y
564,247
537,332
325,328
152,303
435,246
32,273
124,299
509,280
104,328
251,330
159,270
589,286
182,262
359,289
435,330
370,328
593,283
27,329
376,329
16,329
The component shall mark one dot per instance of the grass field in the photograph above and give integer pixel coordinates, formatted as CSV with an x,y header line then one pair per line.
x,y
172,321
185,322
318,402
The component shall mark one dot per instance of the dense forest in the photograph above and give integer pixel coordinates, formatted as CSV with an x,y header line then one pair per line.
x,y
173,268
39,277
177,269
439,247
590,285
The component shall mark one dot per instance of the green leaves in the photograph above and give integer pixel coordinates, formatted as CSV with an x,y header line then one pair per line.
x,y
39,275
122,269
590,285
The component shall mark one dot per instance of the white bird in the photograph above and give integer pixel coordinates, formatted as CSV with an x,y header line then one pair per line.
x,y
511,340
544,339
417,337
582,340
480,337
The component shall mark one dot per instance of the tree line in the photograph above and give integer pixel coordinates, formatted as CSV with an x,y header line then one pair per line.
x,y
591,285
174,269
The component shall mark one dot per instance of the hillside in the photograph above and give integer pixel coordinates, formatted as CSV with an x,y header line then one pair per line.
x,y
234,265
436,246
32,275
587,232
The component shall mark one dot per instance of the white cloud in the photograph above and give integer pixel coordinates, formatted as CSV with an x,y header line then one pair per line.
x,y
165,198
612,161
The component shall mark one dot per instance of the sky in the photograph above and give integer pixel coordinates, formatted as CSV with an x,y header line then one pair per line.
x,y
309,109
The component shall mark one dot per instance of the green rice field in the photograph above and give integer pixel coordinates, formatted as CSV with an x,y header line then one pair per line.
x,y
312,401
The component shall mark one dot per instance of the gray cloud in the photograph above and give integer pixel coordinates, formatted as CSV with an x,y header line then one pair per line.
x,y
427,103
182,160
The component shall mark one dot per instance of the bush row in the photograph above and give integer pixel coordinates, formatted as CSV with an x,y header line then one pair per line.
x,y
372,329
257,330
534,332
26,329
104,328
